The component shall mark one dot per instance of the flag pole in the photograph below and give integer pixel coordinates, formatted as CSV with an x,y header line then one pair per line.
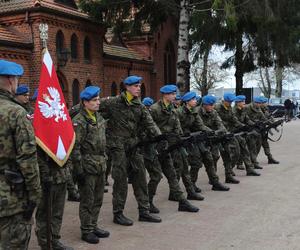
x,y
43,27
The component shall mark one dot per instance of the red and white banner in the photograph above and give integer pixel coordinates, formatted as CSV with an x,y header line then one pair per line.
x,y
52,124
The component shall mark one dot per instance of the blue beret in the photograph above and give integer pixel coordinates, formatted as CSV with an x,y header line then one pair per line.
x,y
22,89
89,92
130,80
147,101
35,94
8,68
264,99
188,96
229,97
258,99
167,89
209,100
240,98
178,97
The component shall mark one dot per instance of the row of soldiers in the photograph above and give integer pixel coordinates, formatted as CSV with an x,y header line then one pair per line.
x,y
127,135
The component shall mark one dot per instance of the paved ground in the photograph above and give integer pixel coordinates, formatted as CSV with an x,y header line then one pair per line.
x,y
259,213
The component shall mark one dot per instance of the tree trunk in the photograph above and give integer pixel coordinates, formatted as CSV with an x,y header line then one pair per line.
x,y
204,89
239,71
279,78
183,64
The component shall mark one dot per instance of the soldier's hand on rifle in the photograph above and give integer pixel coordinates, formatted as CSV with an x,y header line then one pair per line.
x,y
162,146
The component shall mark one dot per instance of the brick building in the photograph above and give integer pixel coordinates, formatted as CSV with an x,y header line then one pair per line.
x,y
80,51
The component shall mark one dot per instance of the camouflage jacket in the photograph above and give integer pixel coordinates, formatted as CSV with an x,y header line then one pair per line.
x,y
89,151
242,115
125,121
267,113
212,119
190,120
229,119
255,113
49,170
18,153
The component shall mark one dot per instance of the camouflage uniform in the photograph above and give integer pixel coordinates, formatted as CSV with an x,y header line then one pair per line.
x,y
54,183
239,147
256,115
198,152
89,162
265,143
153,167
167,120
213,121
125,120
251,138
17,154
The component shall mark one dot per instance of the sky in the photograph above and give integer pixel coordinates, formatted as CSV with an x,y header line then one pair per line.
x,y
218,54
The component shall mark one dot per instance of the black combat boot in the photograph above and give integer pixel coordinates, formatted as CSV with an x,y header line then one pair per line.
x,y
147,217
232,173
197,189
195,196
218,186
230,179
90,238
186,206
252,172
119,218
172,197
240,167
100,233
57,245
153,209
258,167
73,197
271,160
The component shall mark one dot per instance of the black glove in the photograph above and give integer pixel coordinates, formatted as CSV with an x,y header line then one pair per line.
x,y
162,146
80,178
28,210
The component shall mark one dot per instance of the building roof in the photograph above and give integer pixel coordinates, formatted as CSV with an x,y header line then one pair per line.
x,y
123,52
9,35
8,6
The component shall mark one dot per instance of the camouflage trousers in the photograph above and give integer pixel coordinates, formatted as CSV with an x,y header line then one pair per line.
x,y
91,198
230,153
199,154
244,153
266,146
168,169
181,164
253,140
125,163
14,232
57,197
155,175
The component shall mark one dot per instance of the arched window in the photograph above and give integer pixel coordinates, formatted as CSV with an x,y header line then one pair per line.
x,y
87,49
143,91
169,63
75,92
88,83
74,47
122,87
113,89
60,42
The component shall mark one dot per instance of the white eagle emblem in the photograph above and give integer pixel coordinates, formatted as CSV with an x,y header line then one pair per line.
x,y
53,107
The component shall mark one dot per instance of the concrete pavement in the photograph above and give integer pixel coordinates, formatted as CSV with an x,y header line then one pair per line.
x,y
259,213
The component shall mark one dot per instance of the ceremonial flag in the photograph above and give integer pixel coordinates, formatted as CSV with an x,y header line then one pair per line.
x,y
52,124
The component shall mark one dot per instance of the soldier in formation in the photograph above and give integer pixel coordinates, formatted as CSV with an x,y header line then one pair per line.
x,y
20,189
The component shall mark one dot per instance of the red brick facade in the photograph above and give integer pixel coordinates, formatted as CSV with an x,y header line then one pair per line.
x,y
145,56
